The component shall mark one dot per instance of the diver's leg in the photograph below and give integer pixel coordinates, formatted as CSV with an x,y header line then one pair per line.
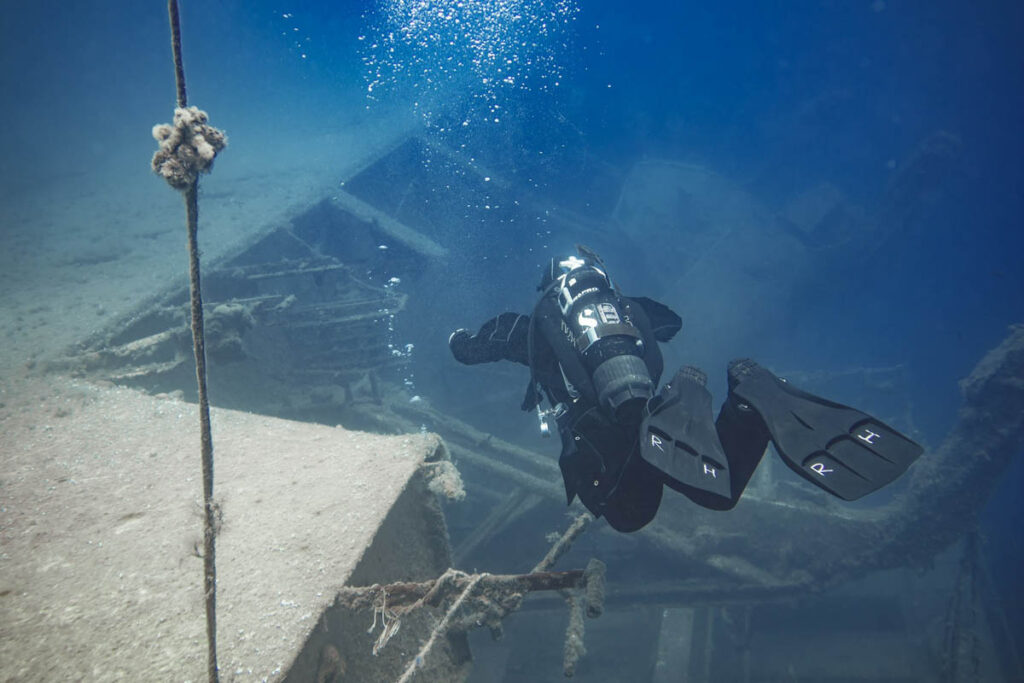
x,y
636,499
501,338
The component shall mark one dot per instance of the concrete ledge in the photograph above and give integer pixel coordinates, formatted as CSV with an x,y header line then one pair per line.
x,y
100,492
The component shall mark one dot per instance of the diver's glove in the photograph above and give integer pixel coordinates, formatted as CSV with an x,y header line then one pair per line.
x,y
500,338
460,342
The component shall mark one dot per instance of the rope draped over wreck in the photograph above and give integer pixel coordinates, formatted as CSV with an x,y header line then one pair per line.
x,y
475,600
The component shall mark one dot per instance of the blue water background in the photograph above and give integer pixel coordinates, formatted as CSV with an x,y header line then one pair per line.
x,y
776,96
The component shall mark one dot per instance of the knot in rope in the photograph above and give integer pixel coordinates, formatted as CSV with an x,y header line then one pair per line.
x,y
187,148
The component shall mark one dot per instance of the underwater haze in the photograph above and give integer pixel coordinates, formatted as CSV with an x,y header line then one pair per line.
x,y
835,189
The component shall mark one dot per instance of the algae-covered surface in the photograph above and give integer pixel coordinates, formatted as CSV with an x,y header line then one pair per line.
x,y
101,526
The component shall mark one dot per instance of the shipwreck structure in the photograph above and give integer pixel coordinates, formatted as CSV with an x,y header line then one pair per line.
x,y
318,317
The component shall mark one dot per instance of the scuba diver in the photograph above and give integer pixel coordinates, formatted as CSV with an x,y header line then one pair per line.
x,y
593,354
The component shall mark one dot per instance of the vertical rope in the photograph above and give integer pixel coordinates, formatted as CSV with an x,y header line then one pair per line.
x,y
179,69
206,438
199,350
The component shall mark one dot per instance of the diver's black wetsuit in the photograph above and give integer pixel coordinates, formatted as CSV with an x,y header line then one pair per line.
x,y
600,461
506,337
593,353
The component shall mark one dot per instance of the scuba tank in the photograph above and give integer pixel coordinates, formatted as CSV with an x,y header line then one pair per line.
x,y
597,327
602,356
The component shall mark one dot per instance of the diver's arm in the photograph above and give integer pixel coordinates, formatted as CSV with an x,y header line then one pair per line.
x,y
501,338
665,322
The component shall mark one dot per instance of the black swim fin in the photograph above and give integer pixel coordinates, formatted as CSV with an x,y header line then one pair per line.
x,y
842,450
678,436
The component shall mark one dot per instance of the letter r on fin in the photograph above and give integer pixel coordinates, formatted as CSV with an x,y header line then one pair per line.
x,y
819,468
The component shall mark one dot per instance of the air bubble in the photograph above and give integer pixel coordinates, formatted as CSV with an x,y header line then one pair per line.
x,y
496,45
